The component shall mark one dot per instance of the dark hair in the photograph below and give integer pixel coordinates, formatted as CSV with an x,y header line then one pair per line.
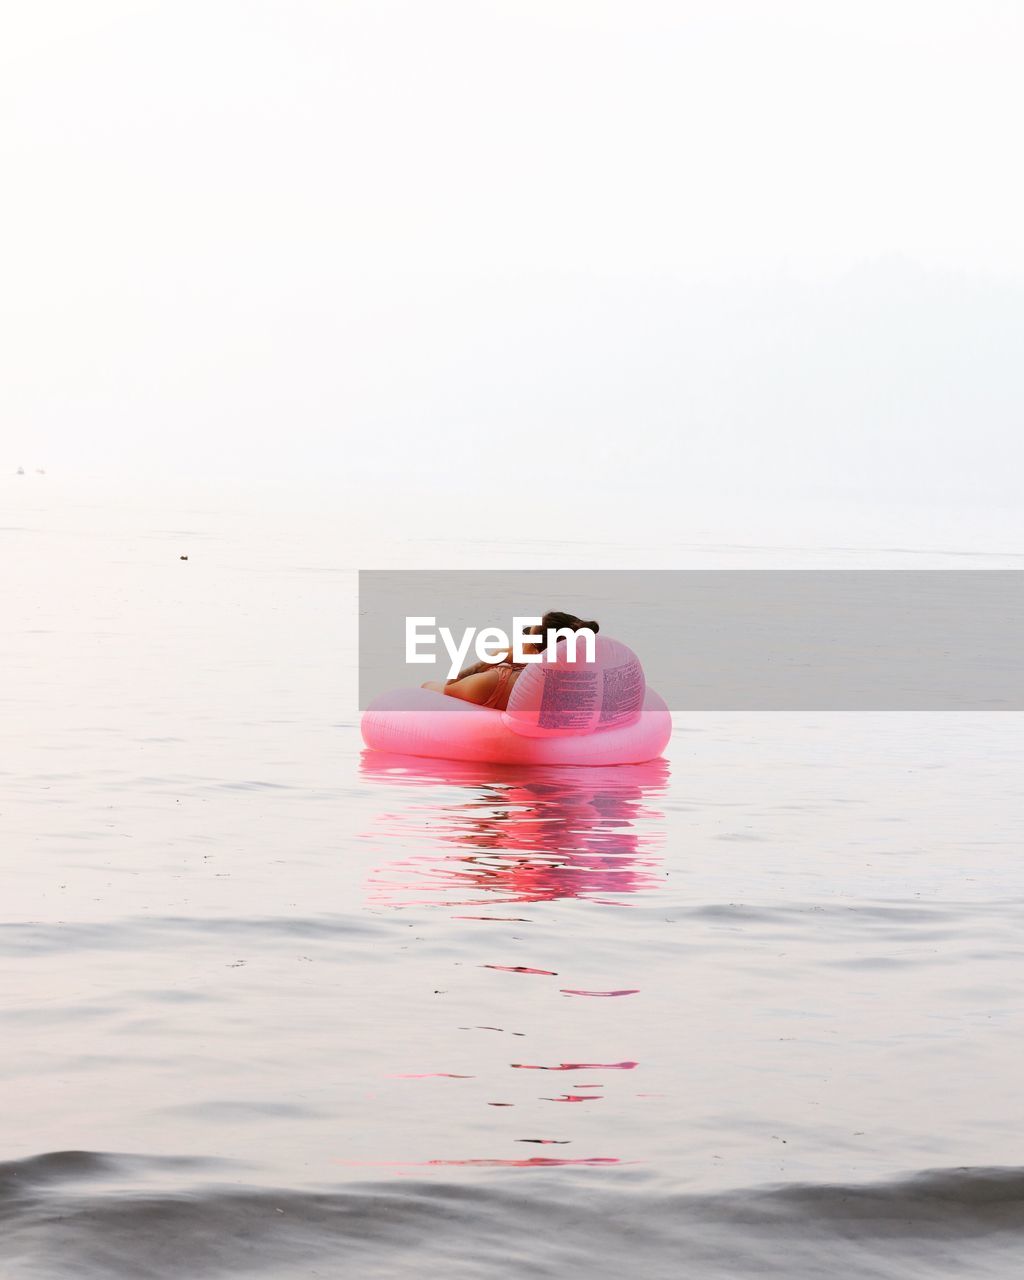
x,y
554,619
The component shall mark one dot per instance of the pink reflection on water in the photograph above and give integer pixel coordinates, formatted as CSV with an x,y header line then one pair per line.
x,y
475,836
430,1075
520,968
514,833
627,991
577,1066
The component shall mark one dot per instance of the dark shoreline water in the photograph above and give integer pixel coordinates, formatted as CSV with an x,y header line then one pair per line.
x,y
91,1215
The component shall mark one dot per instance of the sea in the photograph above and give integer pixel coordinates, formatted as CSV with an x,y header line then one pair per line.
x,y
273,1006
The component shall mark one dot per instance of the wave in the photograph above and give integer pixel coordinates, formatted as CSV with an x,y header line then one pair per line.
x,y
91,1215
894,921
32,937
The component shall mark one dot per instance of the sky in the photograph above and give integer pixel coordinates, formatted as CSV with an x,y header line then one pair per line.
x,y
597,255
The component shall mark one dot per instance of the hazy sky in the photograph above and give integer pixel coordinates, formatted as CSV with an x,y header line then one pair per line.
x,y
537,246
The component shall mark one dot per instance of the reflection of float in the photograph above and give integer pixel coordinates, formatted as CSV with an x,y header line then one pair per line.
x,y
516,834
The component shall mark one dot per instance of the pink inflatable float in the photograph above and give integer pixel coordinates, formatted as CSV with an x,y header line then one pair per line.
x,y
560,712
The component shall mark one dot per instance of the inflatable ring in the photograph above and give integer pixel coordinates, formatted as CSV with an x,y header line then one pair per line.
x,y
561,712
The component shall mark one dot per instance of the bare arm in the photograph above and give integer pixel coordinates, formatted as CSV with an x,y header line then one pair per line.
x,y
478,668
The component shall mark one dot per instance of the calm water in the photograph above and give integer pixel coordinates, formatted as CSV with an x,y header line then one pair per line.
x,y
272,1006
